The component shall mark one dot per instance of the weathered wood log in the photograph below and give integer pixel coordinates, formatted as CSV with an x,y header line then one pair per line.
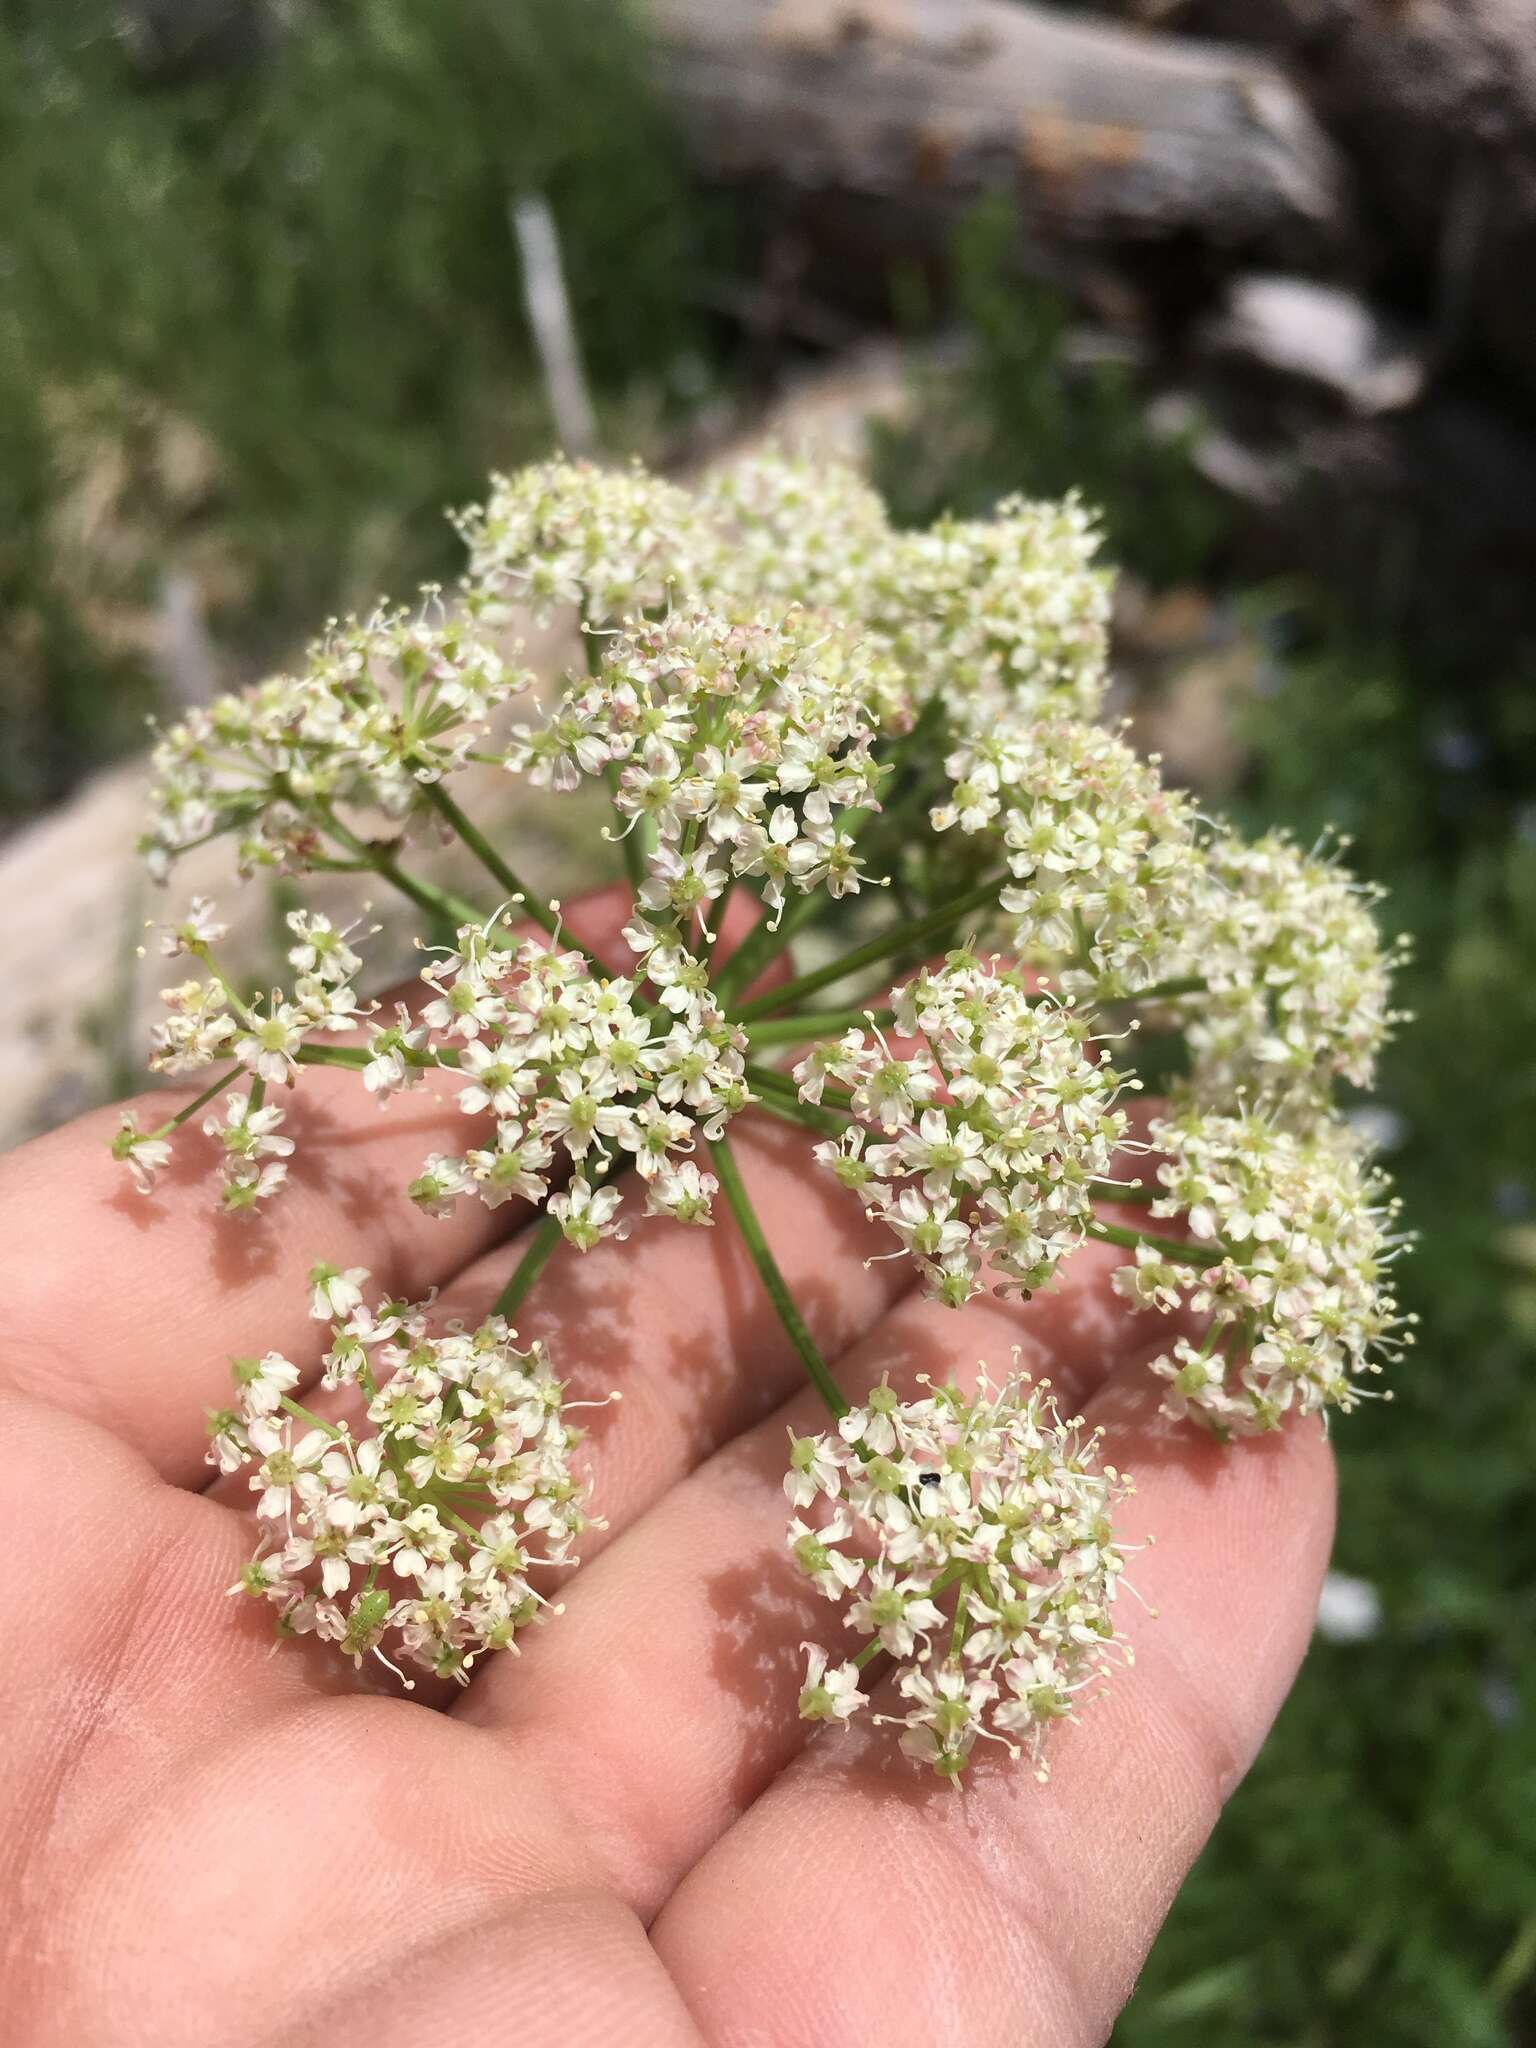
x,y
1102,132
1130,152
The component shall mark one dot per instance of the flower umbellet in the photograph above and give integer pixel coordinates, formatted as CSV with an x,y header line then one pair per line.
x,y
989,911
437,1517
969,1536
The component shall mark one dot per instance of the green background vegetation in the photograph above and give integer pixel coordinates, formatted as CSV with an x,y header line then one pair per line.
x,y
265,324
265,321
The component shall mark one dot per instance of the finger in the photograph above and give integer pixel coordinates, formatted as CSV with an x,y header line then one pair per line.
x,y
158,1754
573,1963
1012,1911
133,1305
665,1695
112,1616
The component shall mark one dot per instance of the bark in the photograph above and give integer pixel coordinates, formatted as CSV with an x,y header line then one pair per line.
x,y
1103,132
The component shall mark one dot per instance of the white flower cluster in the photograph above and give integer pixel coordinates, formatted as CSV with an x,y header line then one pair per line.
x,y
1288,984
743,749
1003,614
560,534
1001,618
793,705
993,617
568,1061
1299,982
788,698
991,1134
209,1021
1291,1244
970,1537
1104,860
784,529
383,707
426,1526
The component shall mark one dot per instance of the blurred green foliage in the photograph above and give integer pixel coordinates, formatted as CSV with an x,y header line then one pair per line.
x,y
266,322
1018,414
1373,1884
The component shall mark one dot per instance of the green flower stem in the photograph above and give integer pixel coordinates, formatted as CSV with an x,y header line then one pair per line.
x,y
636,836
765,944
465,827
785,1103
870,1650
961,1626
334,1056
199,1101
237,1002
773,1280
717,917
834,1100
1165,1247
1185,985
938,924
312,1055
529,1266
810,1024
308,1415
426,895
1130,1191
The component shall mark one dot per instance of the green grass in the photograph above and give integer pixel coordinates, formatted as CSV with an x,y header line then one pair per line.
x,y
265,325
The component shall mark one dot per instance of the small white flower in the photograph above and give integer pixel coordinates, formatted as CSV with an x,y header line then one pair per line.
x,y
144,1153
829,1695
683,1193
262,1382
586,1214
288,1471
269,1044
200,929
815,1467
335,1293
247,1184
390,1048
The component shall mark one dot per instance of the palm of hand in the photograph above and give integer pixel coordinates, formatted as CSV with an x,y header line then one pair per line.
x,y
622,1835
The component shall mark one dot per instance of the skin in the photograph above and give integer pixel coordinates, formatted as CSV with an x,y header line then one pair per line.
x,y
625,1834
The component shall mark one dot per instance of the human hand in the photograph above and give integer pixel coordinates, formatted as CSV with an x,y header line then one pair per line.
x,y
625,1834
